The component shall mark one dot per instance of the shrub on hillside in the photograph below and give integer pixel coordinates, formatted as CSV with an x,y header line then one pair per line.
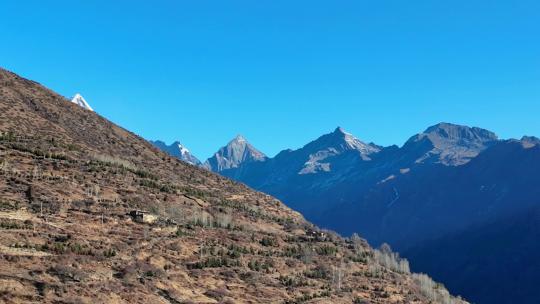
x,y
391,260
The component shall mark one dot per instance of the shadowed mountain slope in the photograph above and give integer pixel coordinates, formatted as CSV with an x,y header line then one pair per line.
x,y
502,253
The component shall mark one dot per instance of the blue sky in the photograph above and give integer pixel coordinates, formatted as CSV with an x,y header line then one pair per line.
x,y
284,72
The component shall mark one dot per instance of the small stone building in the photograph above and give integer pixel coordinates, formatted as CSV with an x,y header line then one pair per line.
x,y
140,216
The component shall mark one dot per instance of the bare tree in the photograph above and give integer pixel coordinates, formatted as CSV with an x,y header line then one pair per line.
x,y
36,172
391,260
95,192
338,275
433,290
357,243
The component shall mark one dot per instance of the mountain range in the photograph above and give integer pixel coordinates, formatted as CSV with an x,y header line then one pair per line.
x,y
446,190
92,213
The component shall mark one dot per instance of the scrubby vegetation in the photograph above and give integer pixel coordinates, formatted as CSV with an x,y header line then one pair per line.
x,y
214,262
391,260
434,291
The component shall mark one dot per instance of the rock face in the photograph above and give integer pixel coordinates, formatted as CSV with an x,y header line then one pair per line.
x,y
70,182
440,182
237,152
177,150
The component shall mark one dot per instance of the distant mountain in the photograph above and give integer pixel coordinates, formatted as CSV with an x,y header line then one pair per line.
x,y
443,180
302,176
237,152
177,150
317,155
432,200
449,144
530,141
80,101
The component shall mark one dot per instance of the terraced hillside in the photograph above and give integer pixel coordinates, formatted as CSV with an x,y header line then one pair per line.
x,y
69,179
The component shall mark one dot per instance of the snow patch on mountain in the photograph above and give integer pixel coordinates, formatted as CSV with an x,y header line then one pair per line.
x,y
177,150
80,101
321,151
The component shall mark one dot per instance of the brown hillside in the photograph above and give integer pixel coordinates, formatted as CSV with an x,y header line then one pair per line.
x,y
69,178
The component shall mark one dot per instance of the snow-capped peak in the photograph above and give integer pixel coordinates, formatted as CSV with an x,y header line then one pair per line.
x,y
239,139
354,143
177,150
341,131
79,100
182,149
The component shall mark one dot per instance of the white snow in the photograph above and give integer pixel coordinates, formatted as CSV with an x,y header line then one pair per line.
x,y
357,144
183,150
79,100
239,139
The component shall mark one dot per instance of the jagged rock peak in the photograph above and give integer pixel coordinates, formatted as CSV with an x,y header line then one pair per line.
x,y
177,150
237,152
341,140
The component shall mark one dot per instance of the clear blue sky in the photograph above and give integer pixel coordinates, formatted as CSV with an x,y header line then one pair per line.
x,y
284,72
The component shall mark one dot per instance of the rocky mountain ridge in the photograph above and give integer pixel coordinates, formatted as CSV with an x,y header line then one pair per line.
x,y
177,150
444,180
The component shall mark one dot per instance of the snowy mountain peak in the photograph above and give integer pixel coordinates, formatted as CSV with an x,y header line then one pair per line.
x,y
239,139
79,100
183,150
321,153
340,130
177,150
349,142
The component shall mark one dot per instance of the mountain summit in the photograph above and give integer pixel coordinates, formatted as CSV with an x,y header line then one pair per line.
x,y
318,154
449,144
341,140
177,150
238,151
80,101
